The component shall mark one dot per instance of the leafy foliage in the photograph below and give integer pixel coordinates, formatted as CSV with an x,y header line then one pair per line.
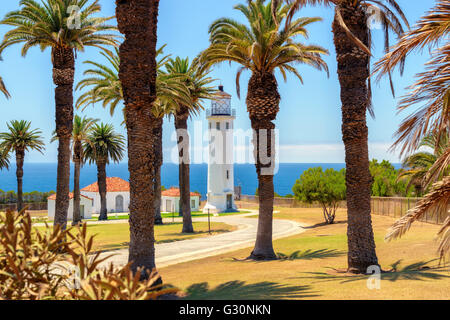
x,y
326,187
264,45
60,265
104,144
385,180
21,137
48,24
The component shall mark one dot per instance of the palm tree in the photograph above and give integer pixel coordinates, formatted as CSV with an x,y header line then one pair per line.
x,y
263,46
81,128
102,146
20,139
3,87
102,84
57,25
418,165
138,21
352,40
4,160
197,82
432,91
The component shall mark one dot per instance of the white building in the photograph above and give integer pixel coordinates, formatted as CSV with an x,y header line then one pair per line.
x,y
85,207
221,162
117,195
170,200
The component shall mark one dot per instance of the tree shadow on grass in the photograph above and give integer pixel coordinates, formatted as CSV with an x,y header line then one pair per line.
x,y
416,271
310,254
239,290
324,224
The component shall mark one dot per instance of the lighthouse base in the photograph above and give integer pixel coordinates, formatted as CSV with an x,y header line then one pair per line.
x,y
220,206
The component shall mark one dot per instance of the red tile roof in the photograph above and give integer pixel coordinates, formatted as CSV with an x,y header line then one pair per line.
x,y
53,196
175,192
113,184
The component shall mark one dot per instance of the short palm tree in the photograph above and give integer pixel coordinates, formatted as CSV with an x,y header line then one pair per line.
x,y
102,146
352,40
4,160
419,165
198,84
56,24
81,128
262,46
20,139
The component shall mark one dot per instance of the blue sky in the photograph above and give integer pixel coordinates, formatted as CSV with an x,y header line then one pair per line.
x,y
310,117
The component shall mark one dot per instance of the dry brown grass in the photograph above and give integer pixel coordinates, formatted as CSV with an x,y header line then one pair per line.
x,y
311,273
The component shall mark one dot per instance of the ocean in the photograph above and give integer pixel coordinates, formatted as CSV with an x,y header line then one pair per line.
x,y
42,176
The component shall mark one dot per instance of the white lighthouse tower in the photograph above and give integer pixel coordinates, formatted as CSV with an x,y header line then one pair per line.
x,y
221,162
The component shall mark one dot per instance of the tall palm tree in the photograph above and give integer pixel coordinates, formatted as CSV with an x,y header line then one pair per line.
x,y
418,165
81,128
102,84
102,146
263,46
197,82
137,20
20,139
55,24
352,40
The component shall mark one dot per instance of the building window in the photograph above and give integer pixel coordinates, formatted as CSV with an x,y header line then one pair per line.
x,y
228,125
192,204
210,125
228,174
218,125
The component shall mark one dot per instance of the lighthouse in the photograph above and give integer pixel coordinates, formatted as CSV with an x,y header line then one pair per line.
x,y
221,148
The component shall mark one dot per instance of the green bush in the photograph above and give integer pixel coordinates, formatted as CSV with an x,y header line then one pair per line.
x,y
325,187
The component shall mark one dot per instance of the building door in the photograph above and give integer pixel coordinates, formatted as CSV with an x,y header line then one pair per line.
x,y
119,203
168,206
229,201
82,211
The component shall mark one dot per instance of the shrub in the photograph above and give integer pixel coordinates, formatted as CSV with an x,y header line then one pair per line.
x,y
326,187
56,264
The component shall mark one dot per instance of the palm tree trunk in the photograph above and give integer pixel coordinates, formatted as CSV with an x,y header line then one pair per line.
x,y
353,71
263,105
76,216
63,76
158,164
101,178
20,155
137,20
184,168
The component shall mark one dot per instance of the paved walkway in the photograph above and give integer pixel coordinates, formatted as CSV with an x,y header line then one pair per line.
x,y
187,250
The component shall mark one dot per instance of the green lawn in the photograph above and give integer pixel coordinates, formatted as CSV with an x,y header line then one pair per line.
x,y
195,214
117,235
313,263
